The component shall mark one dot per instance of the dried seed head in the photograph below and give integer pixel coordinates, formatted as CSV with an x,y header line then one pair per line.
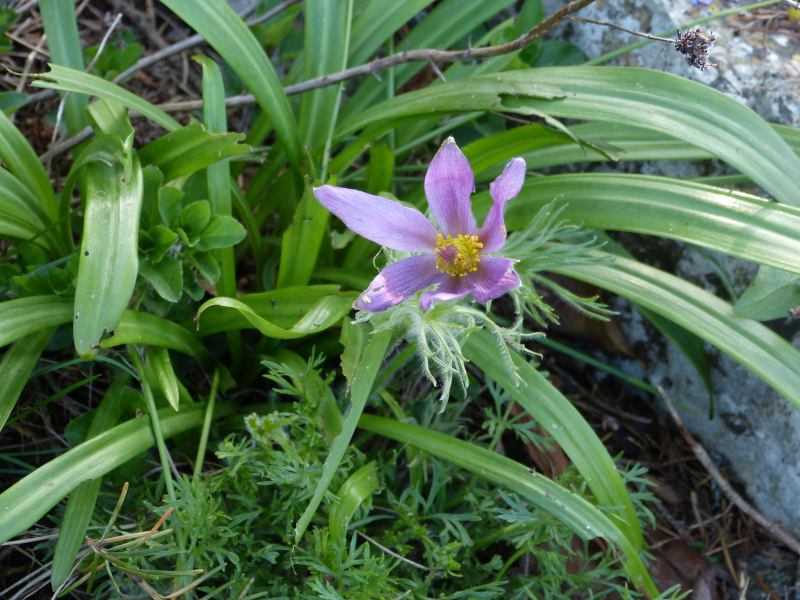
x,y
694,46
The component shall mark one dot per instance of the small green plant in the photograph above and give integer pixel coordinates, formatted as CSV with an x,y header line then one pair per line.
x,y
197,260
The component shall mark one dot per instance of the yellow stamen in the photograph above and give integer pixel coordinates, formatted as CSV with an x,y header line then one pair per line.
x,y
459,256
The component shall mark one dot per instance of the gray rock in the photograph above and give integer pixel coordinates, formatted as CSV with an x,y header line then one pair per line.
x,y
755,429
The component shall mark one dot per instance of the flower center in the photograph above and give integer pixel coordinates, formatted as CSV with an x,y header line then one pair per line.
x,y
459,256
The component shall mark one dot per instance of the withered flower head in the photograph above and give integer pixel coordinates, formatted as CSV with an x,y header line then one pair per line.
x,y
694,46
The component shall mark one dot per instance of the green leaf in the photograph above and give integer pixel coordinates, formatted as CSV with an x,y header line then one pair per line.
x,y
82,500
109,259
7,18
194,217
690,111
354,338
355,489
586,520
221,232
206,264
61,28
327,37
25,316
216,21
22,162
301,242
112,119
737,224
360,392
62,78
161,375
380,169
376,22
147,329
166,277
31,498
190,149
16,367
685,109
282,308
157,242
530,15
554,413
762,351
325,313
169,205
770,296
448,23
10,102
557,53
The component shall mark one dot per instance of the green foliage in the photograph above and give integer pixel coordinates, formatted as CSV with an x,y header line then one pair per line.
x,y
317,492
121,53
7,18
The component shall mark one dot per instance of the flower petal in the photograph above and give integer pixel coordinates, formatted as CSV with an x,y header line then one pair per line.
x,y
452,288
449,183
383,221
495,276
493,233
398,281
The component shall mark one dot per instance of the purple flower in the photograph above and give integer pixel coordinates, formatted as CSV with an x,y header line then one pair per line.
x,y
455,258
706,2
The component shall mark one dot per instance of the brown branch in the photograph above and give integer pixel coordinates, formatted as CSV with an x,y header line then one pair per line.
x,y
631,31
773,529
406,56
371,68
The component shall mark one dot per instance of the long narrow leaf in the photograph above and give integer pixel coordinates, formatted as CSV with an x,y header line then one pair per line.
x,y
583,518
82,500
16,367
147,329
554,413
685,109
360,391
737,224
283,308
25,316
216,21
326,30
326,312
22,162
61,28
219,185
301,242
28,500
62,78
756,347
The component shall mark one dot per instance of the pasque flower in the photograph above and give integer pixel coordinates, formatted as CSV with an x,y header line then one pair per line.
x,y
454,259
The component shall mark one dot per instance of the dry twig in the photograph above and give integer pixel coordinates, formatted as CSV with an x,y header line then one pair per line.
x,y
773,529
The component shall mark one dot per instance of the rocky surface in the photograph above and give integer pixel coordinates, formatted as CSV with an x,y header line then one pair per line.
x,y
755,429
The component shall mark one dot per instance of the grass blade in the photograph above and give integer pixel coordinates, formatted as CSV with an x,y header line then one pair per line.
x,y
25,316
28,500
359,393
738,224
63,78
16,367
216,21
61,28
562,420
583,518
755,346
82,500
